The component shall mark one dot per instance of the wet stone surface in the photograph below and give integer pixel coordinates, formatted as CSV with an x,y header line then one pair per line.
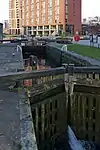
x,y
9,121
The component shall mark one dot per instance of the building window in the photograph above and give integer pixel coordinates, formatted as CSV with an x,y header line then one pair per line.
x,y
37,6
50,19
57,10
56,2
32,1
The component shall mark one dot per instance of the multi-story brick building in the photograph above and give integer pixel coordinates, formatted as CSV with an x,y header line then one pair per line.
x,y
51,16
15,16
44,17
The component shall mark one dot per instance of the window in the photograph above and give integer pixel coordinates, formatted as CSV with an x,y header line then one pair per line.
x,y
32,21
56,19
50,19
32,7
57,10
37,13
43,19
32,1
49,12
43,5
37,6
50,3
56,2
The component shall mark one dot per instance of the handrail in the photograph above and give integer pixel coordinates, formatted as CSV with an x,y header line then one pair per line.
x,y
28,75
50,72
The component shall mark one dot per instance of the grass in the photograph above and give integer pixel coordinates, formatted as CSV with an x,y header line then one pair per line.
x,y
88,51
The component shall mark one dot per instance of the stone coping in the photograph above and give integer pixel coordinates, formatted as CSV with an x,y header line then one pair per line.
x,y
28,139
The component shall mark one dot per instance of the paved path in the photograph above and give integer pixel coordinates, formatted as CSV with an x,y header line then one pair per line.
x,y
9,101
9,121
10,58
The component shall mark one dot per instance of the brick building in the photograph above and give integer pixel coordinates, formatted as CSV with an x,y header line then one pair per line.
x,y
15,16
49,17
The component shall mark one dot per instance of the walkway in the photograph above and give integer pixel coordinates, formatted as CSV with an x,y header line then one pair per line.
x,y
10,61
9,121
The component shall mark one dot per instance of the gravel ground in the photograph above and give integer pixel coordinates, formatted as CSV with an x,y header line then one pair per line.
x,y
9,121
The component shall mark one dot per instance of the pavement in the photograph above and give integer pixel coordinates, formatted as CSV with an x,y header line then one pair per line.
x,y
9,121
10,61
10,58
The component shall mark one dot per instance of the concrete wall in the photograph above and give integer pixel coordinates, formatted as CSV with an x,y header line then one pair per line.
x,y
39,51
55,55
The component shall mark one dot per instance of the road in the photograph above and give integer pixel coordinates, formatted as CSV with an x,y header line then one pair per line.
x,y
10,61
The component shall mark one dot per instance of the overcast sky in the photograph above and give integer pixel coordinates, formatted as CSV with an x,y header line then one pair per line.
x,y
90,8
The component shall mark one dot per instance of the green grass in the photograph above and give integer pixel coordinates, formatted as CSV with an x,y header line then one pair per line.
x,y
92,52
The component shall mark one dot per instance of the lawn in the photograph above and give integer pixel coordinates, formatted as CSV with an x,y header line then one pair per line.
x,y
92,52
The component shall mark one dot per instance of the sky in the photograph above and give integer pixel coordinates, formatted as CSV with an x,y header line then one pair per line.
x,y
90,8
